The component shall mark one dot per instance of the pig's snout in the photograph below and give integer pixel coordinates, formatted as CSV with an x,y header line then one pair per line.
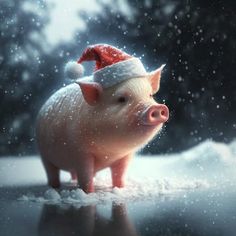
x,y
155,115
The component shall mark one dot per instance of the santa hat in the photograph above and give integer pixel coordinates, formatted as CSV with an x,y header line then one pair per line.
x,y
112,66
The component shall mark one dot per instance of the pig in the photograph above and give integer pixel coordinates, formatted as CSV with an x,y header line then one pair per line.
x,y
83,128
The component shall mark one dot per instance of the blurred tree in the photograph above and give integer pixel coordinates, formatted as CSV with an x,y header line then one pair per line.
x,y
22,58
195,40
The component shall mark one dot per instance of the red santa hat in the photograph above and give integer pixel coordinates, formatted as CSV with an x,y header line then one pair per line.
x,y
112,65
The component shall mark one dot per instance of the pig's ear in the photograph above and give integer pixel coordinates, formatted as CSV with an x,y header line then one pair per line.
x,y
91,91
155,77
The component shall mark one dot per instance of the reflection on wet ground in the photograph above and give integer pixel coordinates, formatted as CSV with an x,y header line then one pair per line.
x,y
199,212
85,221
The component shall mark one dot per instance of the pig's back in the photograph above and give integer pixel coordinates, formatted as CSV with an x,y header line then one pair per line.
x,y
57,114
62,102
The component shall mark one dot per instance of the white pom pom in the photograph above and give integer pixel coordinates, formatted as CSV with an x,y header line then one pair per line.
x,y
74,70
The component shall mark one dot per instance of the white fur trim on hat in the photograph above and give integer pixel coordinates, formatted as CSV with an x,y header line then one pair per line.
x,y
118,72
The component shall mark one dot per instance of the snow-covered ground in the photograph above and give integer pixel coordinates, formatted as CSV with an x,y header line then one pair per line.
x,y
206,165
190,193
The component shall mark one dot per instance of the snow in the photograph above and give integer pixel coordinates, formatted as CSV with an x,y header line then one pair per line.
x,y
135,190
207,165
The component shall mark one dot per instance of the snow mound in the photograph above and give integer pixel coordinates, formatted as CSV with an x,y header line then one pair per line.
x,y
136,189
212,153
209,160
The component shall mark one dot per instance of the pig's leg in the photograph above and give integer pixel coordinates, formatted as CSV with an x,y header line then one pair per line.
x,y
85,172
73,175
52,174
118,171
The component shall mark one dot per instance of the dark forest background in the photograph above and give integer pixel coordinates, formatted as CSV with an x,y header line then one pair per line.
x,y
196,39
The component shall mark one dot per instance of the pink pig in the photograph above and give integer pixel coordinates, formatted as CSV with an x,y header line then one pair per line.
x,y
100,121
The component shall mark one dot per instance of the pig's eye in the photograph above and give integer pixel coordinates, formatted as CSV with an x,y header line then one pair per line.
x,y
122,99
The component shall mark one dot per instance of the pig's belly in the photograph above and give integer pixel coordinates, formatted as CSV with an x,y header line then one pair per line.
x,y
66,158
59,157
102,162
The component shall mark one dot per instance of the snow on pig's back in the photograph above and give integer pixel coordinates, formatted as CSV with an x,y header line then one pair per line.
x,y
57,121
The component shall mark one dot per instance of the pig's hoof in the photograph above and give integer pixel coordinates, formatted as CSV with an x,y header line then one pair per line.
x,y
87,189
54,185
118,185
